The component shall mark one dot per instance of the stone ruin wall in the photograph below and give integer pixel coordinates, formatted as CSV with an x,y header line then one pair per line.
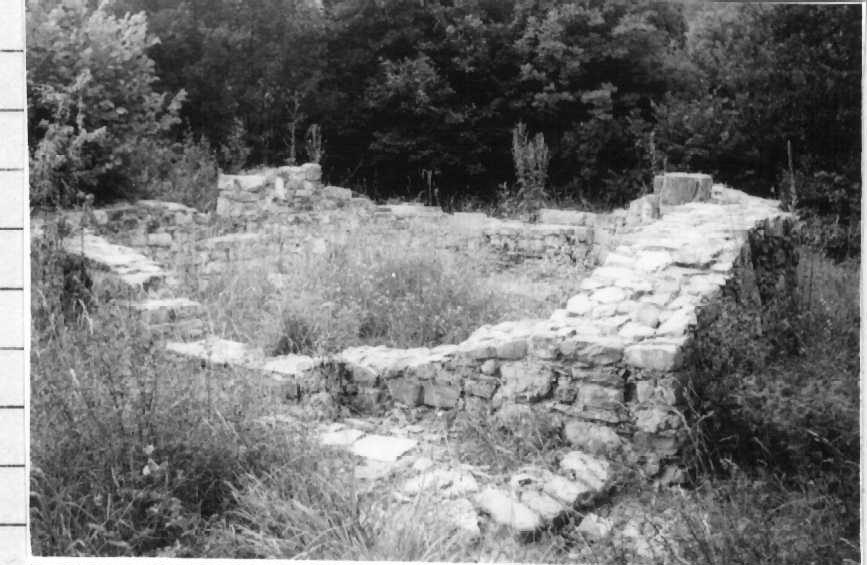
x,y
262,217
608,369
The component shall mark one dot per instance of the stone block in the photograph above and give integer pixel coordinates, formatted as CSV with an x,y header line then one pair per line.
x,y
528,381
406,391
512,350
566,491
647,314
646,208
312,172
159,239
440,395
480,386
382,448
506,511
594,526
594,438
680,188
597,396
241,182
337,193
659,356
546,506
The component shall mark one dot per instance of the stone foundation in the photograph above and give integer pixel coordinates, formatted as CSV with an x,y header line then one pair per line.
x,y
609,366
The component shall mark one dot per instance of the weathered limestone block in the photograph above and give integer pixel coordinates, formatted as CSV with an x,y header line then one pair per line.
x,y
525,381
645,209
166,310
241,183
594,438
593,350
549,508
406,391
337,193
679,188
449,483
481,386
441,395
507,511
658,355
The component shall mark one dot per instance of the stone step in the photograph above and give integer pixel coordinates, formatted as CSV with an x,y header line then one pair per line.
x,y
156,311
181,329
127,265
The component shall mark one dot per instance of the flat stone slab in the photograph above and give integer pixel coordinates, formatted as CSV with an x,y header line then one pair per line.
x,y
291,365
166,310
447,482
372,470
659,356
129,266
218,350
507,511
382,448
340,438
592,471
546,506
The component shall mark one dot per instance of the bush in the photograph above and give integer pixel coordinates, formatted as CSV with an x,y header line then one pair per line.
x,y
184,172
91,102
753,520
791,415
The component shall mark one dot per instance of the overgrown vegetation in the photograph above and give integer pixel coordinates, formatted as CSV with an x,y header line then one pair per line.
x,y
785,423
531,158
407,92
368,289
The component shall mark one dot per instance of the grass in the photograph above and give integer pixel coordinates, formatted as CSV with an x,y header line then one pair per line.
x,y
369,288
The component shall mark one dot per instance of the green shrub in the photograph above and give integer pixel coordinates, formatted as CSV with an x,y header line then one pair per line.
x,y
184,172
752,520
531,159
92,106
791,414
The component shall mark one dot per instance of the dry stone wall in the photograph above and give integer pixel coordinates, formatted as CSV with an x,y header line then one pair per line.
x,y
295,188
569,236
607,371
610,366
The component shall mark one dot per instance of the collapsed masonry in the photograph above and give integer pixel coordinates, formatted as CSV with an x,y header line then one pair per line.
x,y
610,366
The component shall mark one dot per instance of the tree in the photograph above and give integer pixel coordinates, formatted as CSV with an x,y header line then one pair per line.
x,y
92,105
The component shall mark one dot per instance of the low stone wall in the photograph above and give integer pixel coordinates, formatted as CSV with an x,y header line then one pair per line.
x,y
608,368
569,236
294,188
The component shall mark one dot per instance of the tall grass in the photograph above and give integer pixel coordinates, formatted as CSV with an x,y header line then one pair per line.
x,y
368,289
779,435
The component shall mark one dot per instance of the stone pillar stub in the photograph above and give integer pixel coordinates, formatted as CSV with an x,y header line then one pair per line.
x,y
680,188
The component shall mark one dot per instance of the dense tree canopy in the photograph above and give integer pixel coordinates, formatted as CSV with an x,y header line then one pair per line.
x,y
418,94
